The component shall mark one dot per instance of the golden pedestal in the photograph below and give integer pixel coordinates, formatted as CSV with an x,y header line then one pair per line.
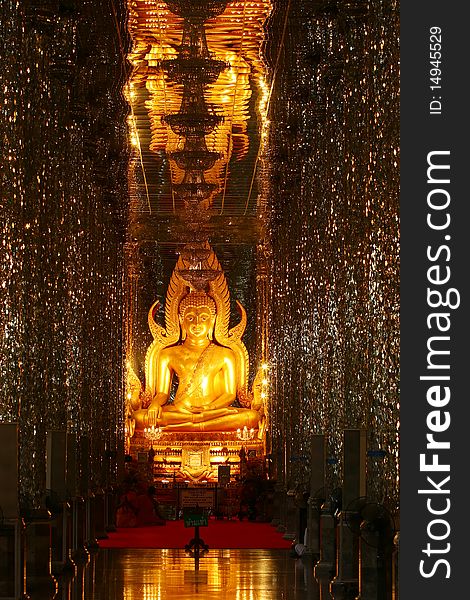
x,y
195,457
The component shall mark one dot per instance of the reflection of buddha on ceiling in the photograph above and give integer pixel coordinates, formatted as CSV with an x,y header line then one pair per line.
x,y
230,96
234,37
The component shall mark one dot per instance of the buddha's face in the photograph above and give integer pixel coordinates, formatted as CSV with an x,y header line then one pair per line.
x,y
197,322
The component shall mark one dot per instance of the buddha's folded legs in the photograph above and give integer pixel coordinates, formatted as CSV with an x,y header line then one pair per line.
x,y
174,417
229,422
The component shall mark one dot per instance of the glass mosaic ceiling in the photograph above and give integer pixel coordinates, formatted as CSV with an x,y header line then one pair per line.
x,y
195,63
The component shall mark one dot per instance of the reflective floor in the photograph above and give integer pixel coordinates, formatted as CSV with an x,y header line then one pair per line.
x,y
124,574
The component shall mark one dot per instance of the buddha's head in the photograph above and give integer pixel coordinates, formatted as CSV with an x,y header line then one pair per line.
x,y
197,312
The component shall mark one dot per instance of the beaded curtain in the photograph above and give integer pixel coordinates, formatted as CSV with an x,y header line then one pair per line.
x,y
63,216
332,203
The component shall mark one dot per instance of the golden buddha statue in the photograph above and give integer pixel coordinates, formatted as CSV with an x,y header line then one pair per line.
x,y
210,361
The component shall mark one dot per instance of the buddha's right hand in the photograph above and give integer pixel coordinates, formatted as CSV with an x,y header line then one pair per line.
x,y
154,413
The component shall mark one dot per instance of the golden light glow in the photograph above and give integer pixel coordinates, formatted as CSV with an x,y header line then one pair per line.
x,y
210,360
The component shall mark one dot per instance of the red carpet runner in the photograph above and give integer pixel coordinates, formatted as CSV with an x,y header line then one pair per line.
x,y
218,534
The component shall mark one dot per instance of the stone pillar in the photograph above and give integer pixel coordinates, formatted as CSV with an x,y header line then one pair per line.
x,y
7,560
346,583
56,452
12,529
37,534
9,470
39,581
317,492
56,483
69,566
12,559
325,567
376,549
369,586
80,554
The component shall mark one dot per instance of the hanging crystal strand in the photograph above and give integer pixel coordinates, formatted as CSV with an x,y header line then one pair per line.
x,y
66,158
333,202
